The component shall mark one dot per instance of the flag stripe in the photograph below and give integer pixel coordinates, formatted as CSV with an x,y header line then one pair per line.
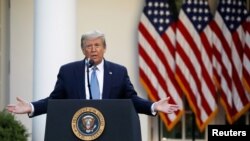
x,y
246,57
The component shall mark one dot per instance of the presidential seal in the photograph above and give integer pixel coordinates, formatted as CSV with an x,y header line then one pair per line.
x,y
88,123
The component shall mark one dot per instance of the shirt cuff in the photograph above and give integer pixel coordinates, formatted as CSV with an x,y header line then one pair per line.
x,y
32,110
153,109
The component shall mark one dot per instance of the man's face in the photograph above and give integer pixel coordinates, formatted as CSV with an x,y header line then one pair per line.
x,y
94,49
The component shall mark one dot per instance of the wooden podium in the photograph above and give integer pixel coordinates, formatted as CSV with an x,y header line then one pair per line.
x,y
99,120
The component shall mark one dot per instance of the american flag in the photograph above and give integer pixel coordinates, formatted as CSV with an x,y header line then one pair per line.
x,y
246,57
156,44
228,41
194,68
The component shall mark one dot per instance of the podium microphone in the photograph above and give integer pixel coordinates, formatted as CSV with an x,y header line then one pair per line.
x,y
90,63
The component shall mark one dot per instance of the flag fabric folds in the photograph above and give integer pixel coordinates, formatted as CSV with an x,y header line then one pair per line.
x,y
203,56
156,45
228,43
246,57
194,68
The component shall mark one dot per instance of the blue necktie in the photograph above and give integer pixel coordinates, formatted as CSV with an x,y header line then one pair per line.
x,y
94,85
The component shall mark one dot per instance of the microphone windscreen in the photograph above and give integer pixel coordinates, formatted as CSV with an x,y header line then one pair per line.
x,y
91,63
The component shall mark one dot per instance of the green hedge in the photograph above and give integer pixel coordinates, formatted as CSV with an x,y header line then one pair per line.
x,y
11,129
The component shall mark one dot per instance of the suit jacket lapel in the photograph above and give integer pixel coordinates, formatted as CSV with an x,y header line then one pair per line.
x,y
107,80
80,77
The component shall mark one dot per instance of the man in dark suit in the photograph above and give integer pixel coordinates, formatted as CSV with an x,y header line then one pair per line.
x,y
73,82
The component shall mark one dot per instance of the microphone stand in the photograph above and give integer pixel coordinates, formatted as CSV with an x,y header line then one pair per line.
x,y
90,63
90,95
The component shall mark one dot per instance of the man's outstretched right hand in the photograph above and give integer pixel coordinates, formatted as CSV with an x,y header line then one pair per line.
x,y
21,107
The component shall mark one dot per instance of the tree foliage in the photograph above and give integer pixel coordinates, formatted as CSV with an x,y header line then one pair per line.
x,y
11,129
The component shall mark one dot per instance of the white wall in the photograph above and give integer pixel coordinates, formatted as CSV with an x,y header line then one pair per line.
x,y
21,53
117,18
4,53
